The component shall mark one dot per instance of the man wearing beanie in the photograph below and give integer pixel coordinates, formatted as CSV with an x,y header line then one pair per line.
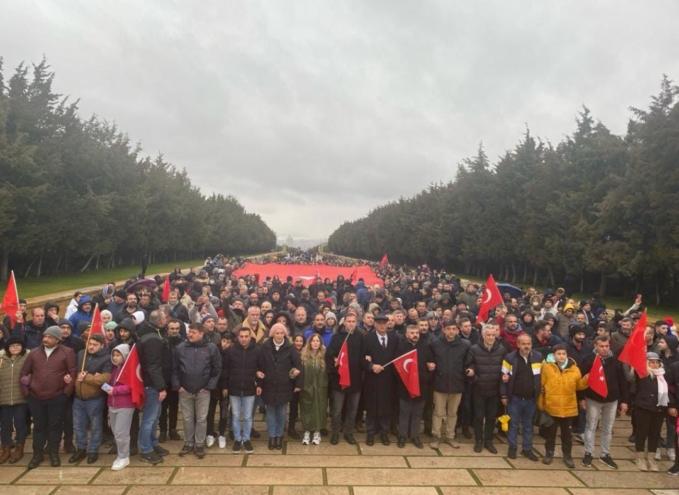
x,y
49,375
88,405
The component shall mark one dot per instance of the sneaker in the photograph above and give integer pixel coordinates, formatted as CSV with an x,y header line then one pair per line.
x,y
674,470
435,442
307,438
453,444
528,454
608,461
671,455
151,458
222,442
236,447
317,438
120,464
579,438
161,451
652,465
587,460
209,441
247,446
186,449
199,452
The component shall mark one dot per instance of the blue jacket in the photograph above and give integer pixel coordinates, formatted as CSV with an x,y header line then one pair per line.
x,y
326,336
80,315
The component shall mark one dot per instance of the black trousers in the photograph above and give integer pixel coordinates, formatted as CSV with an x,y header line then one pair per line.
x,y
68,421
294,411
215,398
48,423
168,412
648,426
565,424
485,413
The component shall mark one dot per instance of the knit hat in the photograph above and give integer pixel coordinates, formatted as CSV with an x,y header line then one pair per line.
x,y
64,321
330,315
569,306
652,356
14,340
139,317
111,325
123,349
53,331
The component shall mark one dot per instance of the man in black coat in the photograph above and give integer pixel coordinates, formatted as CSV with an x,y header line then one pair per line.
x,y
379,349
411,408
351,395
450,360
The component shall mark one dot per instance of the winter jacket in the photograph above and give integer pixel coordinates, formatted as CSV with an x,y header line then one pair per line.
x,y
10,372
509,364
46,376
646,396
313,399
197,366
325,334
615,380
121,396
579,354
509,338
30,333
277,385
154,357
80,315
545,348
98,369
487,366
559,387
239,366
355,350
452,358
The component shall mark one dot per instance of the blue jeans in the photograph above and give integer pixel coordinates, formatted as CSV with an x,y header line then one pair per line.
x,y
88,414
13,419
149,421
522,412
242,408
275,419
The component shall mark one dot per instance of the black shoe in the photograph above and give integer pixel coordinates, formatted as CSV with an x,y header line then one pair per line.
x,y
77,456
548,458
478,447
417,442
187,449
151,458
55,461
466,432
272,443
401,442
247,446
673,471
370,440
490,448
36,460
161,451
162,437
236,447
587,460
528,454
92,458
608,461
255,434
334,438
200,452
384,437
511,453
349,437
568,461
174,435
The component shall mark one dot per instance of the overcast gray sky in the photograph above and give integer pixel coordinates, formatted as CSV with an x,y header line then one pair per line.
x,y
313,112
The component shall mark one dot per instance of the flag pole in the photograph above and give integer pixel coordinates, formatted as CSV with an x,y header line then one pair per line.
x,y
89,334
396,359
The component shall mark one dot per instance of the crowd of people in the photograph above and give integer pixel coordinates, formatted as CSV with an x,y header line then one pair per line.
x,y
221,348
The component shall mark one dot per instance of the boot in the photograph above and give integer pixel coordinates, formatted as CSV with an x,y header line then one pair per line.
x,y
17,453
641,461
4,454
652,465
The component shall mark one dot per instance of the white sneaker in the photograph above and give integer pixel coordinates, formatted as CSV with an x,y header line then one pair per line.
x,y
671,455
209,441
222,442
307,437
119,464
317,438
658,454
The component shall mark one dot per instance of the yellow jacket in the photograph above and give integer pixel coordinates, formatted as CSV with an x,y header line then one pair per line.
x,y
558,397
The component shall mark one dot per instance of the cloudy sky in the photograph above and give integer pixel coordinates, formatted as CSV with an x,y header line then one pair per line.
x,y
313,112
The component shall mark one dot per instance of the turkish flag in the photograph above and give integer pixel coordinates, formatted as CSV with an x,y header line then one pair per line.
x,y
343,366
354,276
384,262
10,301
491,298
597,378
96,327
406,367
130,375
166,290
634,352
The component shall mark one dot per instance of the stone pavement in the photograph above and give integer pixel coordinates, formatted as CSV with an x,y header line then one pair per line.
x,y
346,470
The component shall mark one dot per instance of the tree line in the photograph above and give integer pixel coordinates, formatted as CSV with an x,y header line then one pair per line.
x,y
77,194
596,212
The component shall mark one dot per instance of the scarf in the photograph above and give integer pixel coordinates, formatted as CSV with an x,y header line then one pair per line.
x,y
663,396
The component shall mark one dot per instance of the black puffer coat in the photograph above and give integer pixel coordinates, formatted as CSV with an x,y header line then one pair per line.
x,y
487,365
239,365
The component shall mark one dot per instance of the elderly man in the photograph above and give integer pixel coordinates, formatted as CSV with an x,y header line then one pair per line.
x,y
254,324
49,375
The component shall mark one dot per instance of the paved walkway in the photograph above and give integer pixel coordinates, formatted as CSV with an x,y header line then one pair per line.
x,y
346,470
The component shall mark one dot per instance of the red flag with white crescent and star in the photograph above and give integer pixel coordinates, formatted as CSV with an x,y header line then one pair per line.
x,y
491,298
597,378
343,366
10,301
406,367
130,375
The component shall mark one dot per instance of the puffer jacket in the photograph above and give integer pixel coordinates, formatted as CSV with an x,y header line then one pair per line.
x,y
239,365
487,365
197,366
10,372
558,396
98,368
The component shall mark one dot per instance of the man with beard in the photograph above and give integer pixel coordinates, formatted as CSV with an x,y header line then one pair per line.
x,y
319,327
31,331
131,307
177,310
379,349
